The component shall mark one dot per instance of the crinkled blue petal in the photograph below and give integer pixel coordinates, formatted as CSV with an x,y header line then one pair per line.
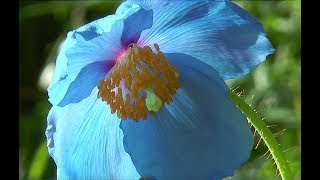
x,y
92,30
200,135
86,80
85,141
218,33
102,40
61,79
134,24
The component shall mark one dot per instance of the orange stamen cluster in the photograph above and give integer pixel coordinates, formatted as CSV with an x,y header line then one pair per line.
x,y
138,70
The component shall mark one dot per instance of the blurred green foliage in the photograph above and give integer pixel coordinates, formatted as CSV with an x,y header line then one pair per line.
x,y
273,89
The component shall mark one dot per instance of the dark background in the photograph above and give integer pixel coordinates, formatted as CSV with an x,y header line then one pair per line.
x,y
273,89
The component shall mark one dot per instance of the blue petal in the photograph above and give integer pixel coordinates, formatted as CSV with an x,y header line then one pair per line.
x,y
61,80
82,47
85,141
219,33
134,24
102,40
87,79
200,135
59,75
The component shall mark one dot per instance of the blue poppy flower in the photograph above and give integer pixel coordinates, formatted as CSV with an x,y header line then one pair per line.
x,y
141,93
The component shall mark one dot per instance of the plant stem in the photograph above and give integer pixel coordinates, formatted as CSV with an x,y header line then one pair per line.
x,y
265,133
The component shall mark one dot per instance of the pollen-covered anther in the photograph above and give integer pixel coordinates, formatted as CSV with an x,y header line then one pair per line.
x,y
141,82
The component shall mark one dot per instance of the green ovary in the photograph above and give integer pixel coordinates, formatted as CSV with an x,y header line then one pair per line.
x,y
153,102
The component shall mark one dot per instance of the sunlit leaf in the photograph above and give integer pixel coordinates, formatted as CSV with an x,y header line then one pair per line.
x,y
39,162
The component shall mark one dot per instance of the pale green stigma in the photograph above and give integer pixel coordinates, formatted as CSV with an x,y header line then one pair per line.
x,y
153,102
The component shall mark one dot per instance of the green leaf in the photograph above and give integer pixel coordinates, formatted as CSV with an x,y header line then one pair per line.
x,y
39,162
265,134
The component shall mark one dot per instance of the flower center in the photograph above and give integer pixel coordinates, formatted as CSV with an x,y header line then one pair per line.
x,y
141,82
